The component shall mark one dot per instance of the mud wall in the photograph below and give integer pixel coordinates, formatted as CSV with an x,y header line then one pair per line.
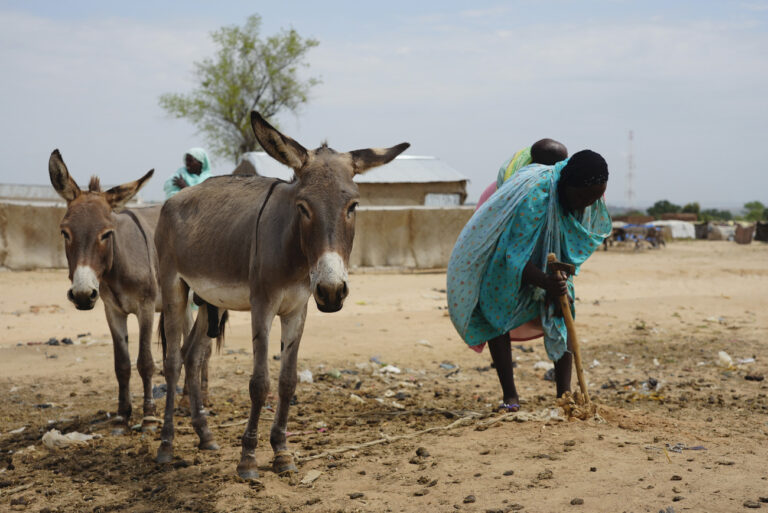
x,y
410,237
30,237
407,237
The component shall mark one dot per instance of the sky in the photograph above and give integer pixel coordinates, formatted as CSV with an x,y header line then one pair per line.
x,y
468,82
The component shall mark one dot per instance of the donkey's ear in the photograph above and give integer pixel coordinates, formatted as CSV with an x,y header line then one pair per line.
x,y
119,195
280,147
363,160
61,179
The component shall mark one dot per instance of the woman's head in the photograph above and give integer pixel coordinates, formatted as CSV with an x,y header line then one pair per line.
x,y
583,180
196,161
193,165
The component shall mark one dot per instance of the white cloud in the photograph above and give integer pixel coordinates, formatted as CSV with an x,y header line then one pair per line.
x,y
681,86
469,87
90,88
755,6
114,50
601,55
484,13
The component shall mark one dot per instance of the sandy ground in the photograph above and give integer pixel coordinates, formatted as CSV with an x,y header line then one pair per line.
x,y
696,439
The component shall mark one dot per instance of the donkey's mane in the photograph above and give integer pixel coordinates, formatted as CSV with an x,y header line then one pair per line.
x,y
325,148
94,185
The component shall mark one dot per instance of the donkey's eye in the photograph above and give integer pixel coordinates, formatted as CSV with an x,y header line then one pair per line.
x,y
65,234
303,210
352,208
106,235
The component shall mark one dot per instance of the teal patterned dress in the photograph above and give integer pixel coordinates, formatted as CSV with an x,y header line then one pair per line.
x,y
522,221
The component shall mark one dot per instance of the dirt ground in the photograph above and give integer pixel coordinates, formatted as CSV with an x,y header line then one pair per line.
x,y
679,432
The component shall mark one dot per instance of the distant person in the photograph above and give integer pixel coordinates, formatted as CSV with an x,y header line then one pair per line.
x,y
196,169
497,285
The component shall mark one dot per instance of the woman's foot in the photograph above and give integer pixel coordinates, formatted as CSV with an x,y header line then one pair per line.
x,y
509,407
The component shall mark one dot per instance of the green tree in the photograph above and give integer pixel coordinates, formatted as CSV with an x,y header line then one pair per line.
x,y
692,208
755,211
663,207
247,73
712,214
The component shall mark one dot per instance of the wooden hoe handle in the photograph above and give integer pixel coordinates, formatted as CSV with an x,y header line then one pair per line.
x,y
571,327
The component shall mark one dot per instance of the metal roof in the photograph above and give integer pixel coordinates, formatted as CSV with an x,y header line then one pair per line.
x,y
404,169
14,191
39,194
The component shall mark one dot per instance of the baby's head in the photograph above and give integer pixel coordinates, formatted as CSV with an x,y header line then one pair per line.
x,y
548,152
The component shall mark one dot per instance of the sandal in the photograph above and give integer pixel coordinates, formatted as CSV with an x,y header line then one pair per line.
x,y
509,407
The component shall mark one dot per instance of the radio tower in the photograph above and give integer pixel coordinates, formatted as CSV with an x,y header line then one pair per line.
x,y
630,173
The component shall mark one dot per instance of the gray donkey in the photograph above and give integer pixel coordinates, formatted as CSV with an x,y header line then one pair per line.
x,y
110,252
264,245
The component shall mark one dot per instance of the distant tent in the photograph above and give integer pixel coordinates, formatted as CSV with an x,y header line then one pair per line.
x,y
702,230
744,233
761,231
677,229
721,232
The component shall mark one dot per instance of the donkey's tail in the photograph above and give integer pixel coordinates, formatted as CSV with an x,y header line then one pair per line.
x,y
161,333
222,330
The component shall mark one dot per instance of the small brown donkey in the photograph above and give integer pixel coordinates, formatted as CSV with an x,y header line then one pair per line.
x,y
111,253
264,245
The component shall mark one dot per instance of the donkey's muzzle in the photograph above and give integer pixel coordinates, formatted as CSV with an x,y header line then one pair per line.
x,y
83,300
85,287
329,282
330,297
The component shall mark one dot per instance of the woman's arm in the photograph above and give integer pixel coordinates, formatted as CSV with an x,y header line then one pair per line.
x,y
555,285
169,187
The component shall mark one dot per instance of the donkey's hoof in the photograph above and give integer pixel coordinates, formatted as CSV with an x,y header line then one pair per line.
x,y
247,473
247,468
210,445
286,470
283,464
164,454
